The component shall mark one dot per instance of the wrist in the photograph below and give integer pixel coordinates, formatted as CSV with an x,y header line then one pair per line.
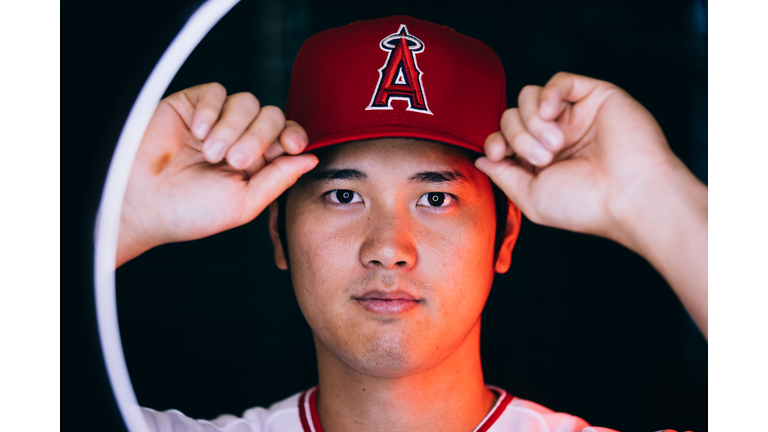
x,y
648,213
129,244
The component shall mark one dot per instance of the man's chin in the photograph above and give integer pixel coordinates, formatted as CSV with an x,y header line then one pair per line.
x,y
383,356
385,366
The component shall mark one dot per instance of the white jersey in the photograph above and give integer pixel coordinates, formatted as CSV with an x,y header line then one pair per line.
x,y
298,413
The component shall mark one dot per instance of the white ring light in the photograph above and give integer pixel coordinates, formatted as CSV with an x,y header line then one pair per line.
x,y
108,218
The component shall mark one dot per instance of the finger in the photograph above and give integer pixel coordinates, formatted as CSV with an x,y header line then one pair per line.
x,y
510,177
496,147
208,100
274,151
293,138
274,179
562,90
239,111
545,131
520,140
260,134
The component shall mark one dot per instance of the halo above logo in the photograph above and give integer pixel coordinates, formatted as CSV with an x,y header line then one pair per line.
x,y
417,46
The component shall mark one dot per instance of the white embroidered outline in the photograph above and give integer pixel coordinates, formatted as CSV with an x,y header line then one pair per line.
x,y
384,44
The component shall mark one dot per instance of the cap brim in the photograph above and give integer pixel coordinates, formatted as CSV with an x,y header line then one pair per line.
x,y
392,131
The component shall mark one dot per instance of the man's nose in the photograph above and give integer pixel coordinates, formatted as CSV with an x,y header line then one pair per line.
x,y
389,243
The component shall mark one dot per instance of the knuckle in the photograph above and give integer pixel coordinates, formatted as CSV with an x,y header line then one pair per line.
x,y
508,118
549,91
527,92
274,114
174,99
528,99
215,88
612,89
245,100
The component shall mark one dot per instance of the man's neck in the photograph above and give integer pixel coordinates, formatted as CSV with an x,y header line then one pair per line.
x,y
449,396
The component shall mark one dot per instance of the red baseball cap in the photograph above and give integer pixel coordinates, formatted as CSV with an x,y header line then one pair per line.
x,y
396,77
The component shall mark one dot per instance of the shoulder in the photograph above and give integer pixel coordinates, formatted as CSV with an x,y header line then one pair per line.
x,y
521,414
280,416
538,414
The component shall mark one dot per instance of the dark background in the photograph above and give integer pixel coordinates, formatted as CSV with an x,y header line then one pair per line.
x,y
578,324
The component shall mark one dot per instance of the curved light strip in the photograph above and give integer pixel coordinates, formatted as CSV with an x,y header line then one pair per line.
x,y
108,219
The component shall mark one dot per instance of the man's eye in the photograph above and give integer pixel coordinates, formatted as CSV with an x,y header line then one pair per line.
x,y
343,196
436,199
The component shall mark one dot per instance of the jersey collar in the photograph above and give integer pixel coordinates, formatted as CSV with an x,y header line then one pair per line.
x,y
311,423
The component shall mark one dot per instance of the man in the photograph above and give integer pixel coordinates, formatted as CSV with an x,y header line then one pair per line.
x,y
392,230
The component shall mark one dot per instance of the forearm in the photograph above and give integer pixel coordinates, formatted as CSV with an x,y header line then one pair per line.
x,y
667,224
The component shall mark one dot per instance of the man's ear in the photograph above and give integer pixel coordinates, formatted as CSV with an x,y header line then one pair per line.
x,y
274,233
514,218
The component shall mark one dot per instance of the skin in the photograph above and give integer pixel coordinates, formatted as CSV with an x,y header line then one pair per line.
x,y
182,189
390,240
577,154
581,154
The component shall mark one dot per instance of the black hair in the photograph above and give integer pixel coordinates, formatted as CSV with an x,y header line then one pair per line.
x,y
499,199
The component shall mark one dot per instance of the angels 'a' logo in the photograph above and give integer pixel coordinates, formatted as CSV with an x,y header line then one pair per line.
x,y
400,77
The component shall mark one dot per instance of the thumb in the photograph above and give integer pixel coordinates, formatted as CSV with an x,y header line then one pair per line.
x,y
274,179
511,177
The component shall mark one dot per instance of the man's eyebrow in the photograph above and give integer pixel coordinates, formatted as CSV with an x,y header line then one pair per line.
x,y
339,174
438,176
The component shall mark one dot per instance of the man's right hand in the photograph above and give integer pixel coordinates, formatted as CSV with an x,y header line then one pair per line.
x,y
207,163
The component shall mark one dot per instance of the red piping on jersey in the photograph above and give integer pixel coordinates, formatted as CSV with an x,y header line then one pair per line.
x,y
313,411
308,410
302,414
501,405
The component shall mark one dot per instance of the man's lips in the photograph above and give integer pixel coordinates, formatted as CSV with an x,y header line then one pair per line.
x,y
380,302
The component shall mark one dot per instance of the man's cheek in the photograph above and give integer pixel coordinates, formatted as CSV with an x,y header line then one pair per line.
x,y
460,269
452,255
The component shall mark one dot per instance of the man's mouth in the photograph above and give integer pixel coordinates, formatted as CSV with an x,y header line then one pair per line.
x,y
388,303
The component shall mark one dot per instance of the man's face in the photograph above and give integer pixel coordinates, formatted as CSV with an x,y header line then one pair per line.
x,y
391,247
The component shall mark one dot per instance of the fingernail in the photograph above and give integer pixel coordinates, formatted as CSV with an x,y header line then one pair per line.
x,y
239,158
295,141
551,139
215,151
538,156
310,166
202,130
481,163
495,151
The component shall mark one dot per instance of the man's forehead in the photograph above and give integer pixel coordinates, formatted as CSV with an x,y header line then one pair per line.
x,y
399,154
432,176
